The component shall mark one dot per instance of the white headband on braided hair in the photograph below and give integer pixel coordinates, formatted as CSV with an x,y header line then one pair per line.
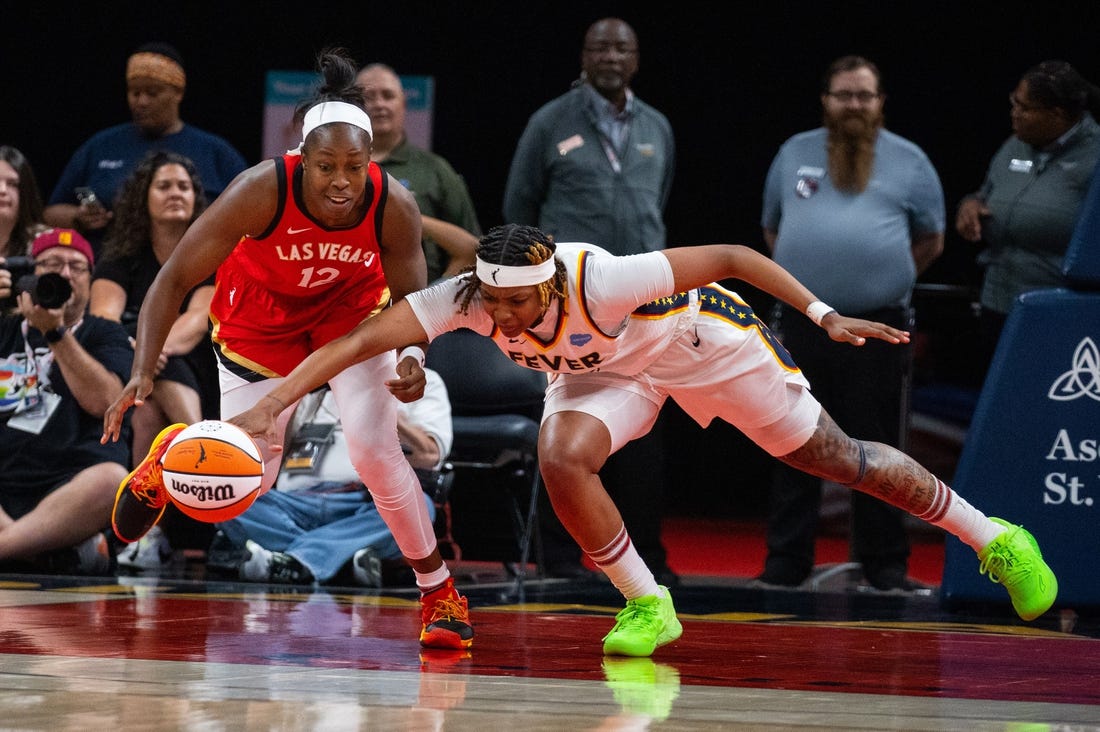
x,y
503,275
326,112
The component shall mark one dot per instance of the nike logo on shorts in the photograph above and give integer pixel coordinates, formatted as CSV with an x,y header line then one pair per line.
x,y
291,231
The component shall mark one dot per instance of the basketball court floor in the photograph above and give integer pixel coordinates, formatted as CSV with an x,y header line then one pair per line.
x,y
158,653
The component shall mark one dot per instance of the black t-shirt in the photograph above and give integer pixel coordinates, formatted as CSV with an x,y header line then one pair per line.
x,y
69,442
135,275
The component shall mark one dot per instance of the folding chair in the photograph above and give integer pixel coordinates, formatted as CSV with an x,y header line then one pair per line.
x,y
496,406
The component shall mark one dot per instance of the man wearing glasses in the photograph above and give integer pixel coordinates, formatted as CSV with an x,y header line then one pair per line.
x,y
59,371
856,213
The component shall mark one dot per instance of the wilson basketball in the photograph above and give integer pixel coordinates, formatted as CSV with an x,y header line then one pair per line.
x,y
213,471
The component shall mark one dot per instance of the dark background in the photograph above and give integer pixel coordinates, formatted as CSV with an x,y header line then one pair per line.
x,y
734,79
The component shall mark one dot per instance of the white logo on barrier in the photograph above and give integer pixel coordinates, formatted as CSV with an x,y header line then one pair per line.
x,y
1083,378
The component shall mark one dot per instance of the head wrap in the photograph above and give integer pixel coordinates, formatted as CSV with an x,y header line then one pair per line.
x,y
70,238
503,275
326,112
150,65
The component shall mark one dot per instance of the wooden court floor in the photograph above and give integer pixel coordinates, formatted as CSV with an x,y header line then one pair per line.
x,y
149,653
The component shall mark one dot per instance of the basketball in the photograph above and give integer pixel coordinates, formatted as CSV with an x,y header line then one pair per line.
x,y
213,471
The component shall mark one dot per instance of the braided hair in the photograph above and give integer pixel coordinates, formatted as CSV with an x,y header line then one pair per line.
x,y
515,245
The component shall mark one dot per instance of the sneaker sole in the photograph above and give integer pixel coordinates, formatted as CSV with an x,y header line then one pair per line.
x,y
133,532
671,633
445,639
165,435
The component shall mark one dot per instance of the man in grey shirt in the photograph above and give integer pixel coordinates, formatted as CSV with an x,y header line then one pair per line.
x,y
856,213
595,165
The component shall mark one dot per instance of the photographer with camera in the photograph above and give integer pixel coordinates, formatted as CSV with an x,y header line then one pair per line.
x,y
59,371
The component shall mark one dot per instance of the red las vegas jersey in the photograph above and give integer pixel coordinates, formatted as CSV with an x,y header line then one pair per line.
x,y
298,285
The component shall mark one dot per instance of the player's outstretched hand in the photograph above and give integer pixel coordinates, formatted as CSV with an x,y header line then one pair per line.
x,y
133,395
857,330
260,420
410,382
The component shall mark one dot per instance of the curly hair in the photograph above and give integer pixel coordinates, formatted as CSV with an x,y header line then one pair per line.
x,y
131,230
1056,83
515,245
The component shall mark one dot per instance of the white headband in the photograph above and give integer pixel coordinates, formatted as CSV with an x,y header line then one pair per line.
x,y
326,112
501,275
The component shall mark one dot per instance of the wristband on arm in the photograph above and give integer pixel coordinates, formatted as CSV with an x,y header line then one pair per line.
x,y
415,351
817,310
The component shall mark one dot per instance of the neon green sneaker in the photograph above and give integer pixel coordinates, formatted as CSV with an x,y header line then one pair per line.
x,y
642,687
643,625
1014,560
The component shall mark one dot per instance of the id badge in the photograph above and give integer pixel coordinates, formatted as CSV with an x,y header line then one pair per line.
x,y
307,448
34,421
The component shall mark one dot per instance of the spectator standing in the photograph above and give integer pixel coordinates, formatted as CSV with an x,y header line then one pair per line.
x,y
20,203
596,165
62,368
440,192
1027,206
84,196
855,212
319,517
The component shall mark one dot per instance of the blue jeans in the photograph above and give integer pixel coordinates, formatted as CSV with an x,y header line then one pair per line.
x,y
321,530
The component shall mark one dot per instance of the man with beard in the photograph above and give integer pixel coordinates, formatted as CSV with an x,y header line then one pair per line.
x,y
856,213
595,164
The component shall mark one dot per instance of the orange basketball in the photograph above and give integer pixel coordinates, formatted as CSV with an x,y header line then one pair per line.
x,y
213,471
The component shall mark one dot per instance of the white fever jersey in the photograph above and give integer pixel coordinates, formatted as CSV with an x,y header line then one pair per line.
x,y
622,327
595,329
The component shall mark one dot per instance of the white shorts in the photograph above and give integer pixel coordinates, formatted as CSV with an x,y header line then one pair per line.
x,y
720,367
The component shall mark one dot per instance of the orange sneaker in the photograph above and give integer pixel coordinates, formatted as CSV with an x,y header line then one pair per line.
x,y
446,618
141,496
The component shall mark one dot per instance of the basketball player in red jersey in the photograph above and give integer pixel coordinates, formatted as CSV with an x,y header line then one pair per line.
x,y
305,247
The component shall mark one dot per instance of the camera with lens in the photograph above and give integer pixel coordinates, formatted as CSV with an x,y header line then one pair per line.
x,y
50,290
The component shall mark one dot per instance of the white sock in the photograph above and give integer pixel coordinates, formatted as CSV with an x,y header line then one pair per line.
x,y
432,580
953,514
622,564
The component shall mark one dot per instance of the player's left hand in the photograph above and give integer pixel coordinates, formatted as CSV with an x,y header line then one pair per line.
x,y
410,382
260,421
857,330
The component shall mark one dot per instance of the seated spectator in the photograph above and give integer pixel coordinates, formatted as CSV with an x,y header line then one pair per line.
x,y
318,517
440,191
61,369
157,205
90,182
20,203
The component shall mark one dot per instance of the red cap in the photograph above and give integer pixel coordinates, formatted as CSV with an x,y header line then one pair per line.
x,y
62,238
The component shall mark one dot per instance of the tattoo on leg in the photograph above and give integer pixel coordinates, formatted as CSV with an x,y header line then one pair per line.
x,y
862,464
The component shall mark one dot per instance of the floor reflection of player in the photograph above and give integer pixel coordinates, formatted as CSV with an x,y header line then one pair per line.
x,y
644,690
